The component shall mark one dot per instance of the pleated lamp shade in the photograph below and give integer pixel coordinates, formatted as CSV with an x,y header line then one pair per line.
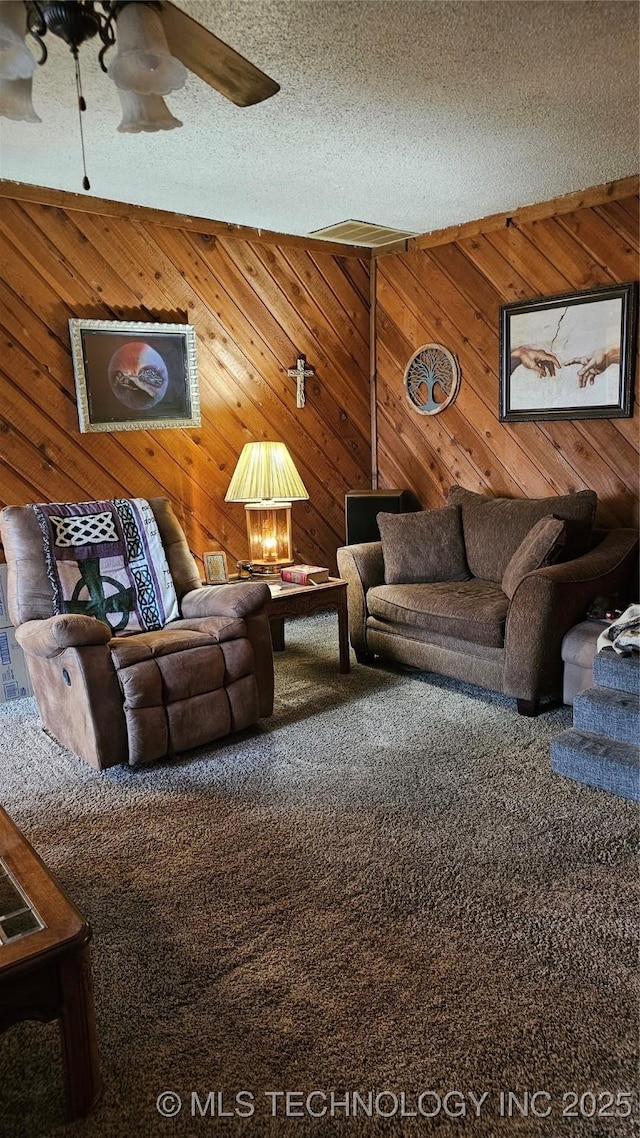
x,y
266,472
267,481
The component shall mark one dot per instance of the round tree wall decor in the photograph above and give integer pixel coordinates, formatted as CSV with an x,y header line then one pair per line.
x,y
431,379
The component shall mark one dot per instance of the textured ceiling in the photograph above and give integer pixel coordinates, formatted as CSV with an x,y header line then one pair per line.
x,y
410,114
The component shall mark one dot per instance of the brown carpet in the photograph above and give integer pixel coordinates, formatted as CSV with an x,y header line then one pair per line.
x,y
384,890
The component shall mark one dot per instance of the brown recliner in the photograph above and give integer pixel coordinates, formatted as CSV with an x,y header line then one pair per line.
x,y
136,698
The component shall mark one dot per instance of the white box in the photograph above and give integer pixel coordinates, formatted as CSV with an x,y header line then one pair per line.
x,y
14,677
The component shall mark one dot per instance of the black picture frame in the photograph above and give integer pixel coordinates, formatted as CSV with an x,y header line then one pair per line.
x,y
578,344
132,376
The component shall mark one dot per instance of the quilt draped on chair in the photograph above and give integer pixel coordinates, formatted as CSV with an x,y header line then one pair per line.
x,y
106,559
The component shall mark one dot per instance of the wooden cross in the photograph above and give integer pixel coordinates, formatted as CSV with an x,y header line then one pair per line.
x,y
300,372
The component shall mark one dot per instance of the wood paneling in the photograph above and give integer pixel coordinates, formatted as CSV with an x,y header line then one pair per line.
x,y
568,203
255,306
450,291
86,203
258,303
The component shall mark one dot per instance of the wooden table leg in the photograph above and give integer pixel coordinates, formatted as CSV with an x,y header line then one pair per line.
x,y
277,633
304,601
343,634
78,1030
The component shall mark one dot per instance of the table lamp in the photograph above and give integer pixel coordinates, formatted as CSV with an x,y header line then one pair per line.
x,y
267,481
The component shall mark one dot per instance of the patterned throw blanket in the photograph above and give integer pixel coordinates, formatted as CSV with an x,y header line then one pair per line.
x,y
106,559
624,634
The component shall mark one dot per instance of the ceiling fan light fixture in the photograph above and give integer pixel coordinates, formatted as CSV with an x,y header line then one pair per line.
x,y
144,68
144,113
16,61
143,63
15,100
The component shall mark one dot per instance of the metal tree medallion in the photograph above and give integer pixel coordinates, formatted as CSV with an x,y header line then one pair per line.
x,y
431,379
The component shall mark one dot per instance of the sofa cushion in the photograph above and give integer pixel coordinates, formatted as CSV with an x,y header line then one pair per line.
x,y
542,546
494,527
467,610
423,546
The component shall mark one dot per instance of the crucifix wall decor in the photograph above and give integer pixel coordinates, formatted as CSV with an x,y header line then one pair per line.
x,y
300,372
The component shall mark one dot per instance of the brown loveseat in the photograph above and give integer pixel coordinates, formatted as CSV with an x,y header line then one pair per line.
x,y
135,698
466,592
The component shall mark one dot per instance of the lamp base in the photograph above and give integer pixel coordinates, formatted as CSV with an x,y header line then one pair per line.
x,y
269,534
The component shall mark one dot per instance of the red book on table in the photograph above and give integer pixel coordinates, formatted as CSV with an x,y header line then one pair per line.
x,y
305,575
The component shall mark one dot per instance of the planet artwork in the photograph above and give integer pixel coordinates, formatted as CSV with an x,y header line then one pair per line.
x,y
138,376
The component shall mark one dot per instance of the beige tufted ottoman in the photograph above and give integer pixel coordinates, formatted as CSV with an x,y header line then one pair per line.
x,y
578,653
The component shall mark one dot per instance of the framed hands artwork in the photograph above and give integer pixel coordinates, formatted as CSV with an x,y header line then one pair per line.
x,y
569,356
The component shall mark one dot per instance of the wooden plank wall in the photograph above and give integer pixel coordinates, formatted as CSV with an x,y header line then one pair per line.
x,y
450,293
255,307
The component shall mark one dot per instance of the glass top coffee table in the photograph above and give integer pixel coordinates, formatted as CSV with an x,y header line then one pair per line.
x,y
44,963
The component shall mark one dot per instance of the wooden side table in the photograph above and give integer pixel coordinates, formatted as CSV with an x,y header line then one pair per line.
x,y
44,963
289,601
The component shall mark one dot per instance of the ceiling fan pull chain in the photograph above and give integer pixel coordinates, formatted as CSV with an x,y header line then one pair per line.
x,y
82,106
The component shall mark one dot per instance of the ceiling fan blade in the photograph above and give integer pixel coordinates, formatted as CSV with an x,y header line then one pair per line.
x,y
214,61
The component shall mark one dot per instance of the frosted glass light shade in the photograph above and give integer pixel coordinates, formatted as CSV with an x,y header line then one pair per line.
x,y
16,61
265,472
143,62
15,100
145,113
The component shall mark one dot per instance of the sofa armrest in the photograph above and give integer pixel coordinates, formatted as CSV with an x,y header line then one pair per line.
x,y
548,602
57,633
363,567
239,600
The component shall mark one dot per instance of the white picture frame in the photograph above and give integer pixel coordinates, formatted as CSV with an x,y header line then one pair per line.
x,y
132,376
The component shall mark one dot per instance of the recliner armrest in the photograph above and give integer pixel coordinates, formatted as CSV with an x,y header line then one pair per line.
x,y
57,633
226,600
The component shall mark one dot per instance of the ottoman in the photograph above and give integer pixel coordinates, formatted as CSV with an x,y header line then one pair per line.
x,y
578,653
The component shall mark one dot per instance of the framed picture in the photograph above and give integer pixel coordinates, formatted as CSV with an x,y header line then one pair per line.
x,y
215,567
134,377
570,356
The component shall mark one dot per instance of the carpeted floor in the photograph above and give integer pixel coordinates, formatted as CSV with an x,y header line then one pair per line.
x,y
382,890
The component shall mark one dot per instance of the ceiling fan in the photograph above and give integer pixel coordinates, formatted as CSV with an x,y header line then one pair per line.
x,y
214,61
156,45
